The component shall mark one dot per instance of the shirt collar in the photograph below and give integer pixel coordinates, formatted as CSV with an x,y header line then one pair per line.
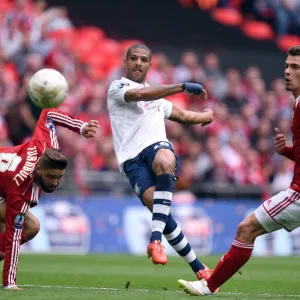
x,y
126,79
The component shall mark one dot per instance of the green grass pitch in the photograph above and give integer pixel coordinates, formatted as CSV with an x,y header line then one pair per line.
x,y
107,276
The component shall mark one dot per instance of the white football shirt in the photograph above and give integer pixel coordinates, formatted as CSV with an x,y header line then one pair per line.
x,y
135,125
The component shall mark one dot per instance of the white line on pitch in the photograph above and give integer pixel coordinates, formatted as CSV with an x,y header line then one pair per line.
x,y
94,288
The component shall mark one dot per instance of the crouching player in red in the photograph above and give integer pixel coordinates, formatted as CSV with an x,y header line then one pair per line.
x,y
25,171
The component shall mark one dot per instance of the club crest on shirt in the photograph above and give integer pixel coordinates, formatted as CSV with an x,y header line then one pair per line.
x,y
120,85
19,221
50,124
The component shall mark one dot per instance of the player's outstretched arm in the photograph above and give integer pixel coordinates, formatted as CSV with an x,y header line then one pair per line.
x,y
179,115
49,118
157,92
281,147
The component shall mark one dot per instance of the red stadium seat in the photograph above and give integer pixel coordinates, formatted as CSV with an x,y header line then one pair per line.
x,y
207,4
258,30
110,48
92,33
83,48
227,16
96,59
186,3
97,73
287,41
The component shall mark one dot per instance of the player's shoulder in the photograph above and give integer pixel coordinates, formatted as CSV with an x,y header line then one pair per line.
x,y
119,84
32,147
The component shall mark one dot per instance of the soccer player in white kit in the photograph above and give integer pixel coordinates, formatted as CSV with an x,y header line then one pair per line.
x,y
137,113
281,211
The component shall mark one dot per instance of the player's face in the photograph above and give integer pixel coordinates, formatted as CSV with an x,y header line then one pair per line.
x,y
292,74
49,179
137,65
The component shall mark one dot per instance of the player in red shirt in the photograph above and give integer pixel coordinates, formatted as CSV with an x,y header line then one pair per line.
x,y
280,211
26,170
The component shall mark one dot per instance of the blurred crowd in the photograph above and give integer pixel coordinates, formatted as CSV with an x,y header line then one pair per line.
x,y
283,15
236,148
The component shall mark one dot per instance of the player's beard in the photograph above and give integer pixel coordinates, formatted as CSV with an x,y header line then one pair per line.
x,y
41,182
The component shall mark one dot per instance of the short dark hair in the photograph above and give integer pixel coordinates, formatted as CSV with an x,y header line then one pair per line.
x,y
53,159
138,46
294,51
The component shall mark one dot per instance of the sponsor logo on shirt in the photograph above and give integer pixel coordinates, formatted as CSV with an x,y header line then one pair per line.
x,y
122,84
152,105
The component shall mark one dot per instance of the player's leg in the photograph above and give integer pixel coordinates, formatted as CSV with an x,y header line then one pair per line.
x,y
141,177
14,224
175,236
2,228
281,211
31,228
163,165
231,262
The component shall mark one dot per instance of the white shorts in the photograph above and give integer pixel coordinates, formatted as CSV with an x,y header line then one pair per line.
x,y
280,211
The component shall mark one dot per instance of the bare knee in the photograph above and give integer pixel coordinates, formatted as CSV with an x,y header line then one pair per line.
x,y
31,226
164,162
249,229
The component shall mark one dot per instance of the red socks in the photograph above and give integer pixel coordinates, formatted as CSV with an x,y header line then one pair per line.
x,y
230,263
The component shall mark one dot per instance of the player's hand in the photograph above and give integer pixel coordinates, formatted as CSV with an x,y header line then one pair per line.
x,y
194,89
209,115
203,95
279,141
89,130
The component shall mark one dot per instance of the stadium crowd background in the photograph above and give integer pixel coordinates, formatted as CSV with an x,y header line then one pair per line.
x,y
237,148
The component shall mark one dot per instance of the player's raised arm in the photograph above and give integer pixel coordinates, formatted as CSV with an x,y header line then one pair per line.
x,y
281,147
153,93
203,117
63,119
50,118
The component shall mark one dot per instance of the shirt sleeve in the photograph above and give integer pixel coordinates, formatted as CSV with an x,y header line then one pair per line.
x,y
49,119
167,106
118,89
289,153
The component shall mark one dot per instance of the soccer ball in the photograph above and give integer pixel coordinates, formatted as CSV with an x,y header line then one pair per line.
x,y
47,88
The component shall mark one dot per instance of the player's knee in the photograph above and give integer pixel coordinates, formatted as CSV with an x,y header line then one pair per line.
x,y
166,167
32,229
246,231
164,162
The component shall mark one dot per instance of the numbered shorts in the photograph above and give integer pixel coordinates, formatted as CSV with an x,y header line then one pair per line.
x,y
280,211
139,169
